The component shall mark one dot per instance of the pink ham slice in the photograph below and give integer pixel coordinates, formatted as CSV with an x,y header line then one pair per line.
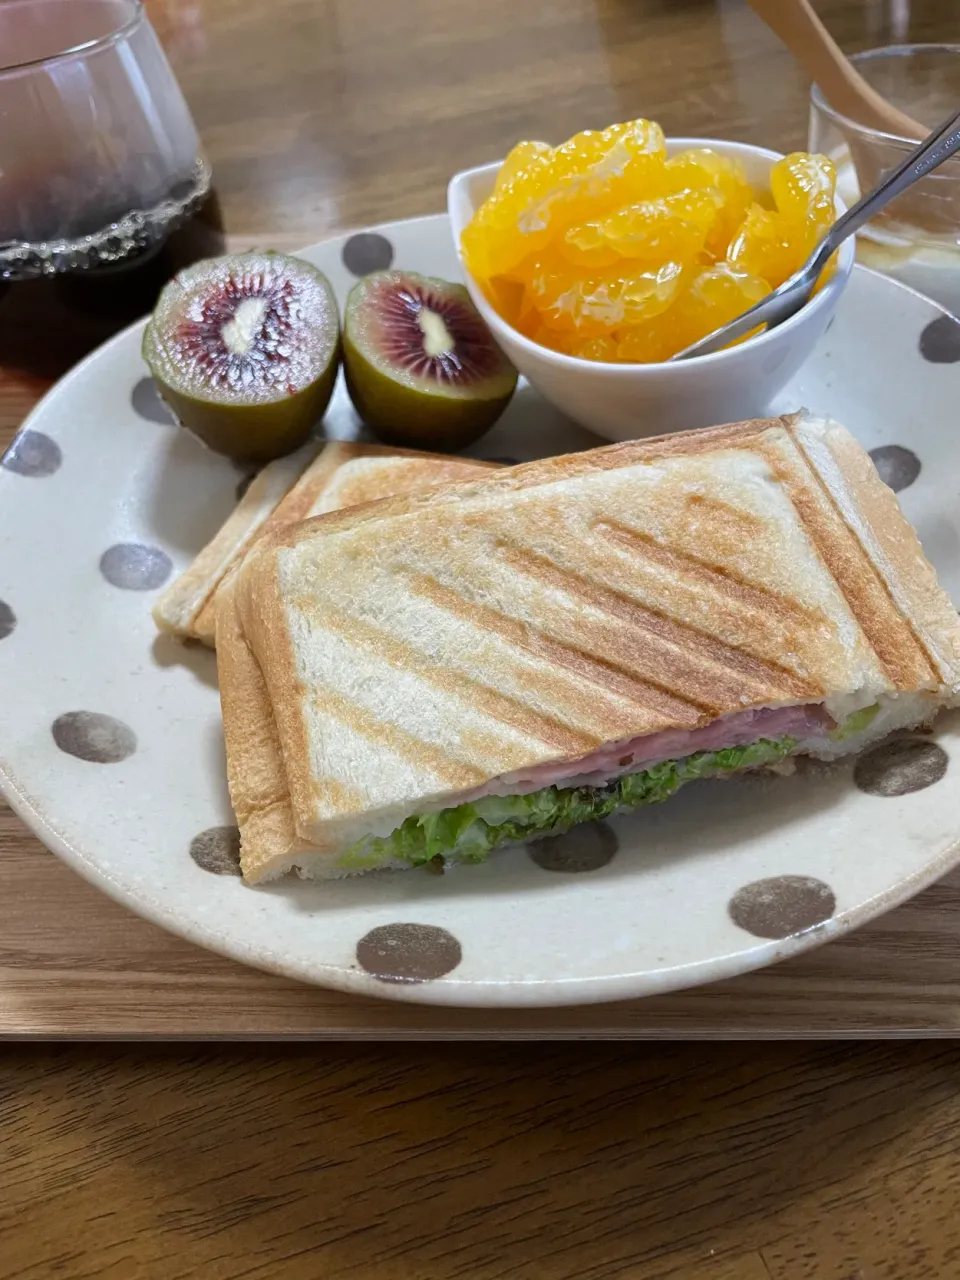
x,y
631,755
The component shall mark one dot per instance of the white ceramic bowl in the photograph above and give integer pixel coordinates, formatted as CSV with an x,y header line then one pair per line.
x,y
626,401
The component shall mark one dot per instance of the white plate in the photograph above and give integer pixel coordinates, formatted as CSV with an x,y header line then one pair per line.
x,y
111,745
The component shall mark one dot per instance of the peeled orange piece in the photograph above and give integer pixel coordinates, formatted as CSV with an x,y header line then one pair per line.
x,y
803,188
674,227
702,169
765,246
525,156
595,305
715,296
606,249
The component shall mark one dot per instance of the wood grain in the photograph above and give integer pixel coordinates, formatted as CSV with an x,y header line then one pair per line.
x,y
597,1162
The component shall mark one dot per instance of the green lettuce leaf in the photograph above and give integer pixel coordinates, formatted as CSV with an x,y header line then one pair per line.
x,y
856,722
470,832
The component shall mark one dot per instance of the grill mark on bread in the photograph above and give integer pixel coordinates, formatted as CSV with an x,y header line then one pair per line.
x,y
684,443
328,483
368,486
682,636
498,706
726,581
187,606
338,795
745,521
610,676
889,634
424,755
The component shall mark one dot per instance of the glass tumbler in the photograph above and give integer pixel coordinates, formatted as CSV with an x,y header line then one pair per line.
x,y
99,158
916,239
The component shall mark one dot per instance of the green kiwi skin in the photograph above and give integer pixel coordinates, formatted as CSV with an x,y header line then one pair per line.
x,y
249,433
255,432
415,417
412,418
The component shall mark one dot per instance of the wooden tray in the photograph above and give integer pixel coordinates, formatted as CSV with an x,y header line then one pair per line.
x,y
74,963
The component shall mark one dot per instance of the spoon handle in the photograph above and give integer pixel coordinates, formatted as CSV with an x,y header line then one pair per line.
x,y
932,152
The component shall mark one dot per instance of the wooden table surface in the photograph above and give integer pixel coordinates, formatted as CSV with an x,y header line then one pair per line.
x,y
727,1162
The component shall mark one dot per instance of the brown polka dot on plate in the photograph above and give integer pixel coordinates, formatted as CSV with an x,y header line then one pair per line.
x,y
940,341
408,952
585,848
135,567
8,620
898,467
32,454
88,735
899,767
782,906
367,251
147,404
218,850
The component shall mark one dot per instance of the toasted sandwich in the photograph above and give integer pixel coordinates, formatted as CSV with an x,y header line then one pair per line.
x,y
316,479
434,676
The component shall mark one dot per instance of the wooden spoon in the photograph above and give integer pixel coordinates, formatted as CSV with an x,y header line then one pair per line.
x,y
795,22
932,207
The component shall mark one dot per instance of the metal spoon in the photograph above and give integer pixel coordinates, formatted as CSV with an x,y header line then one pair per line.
x,y
795,292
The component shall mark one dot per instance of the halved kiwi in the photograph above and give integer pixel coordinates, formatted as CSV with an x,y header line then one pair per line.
x,y
421,366
244,349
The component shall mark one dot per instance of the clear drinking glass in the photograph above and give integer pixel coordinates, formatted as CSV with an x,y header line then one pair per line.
x,y
916,238
99,157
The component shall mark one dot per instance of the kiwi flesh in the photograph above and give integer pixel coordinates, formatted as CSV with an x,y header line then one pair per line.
x,y
245,349
421,367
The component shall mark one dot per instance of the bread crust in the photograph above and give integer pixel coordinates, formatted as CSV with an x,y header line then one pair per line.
x,y
256,777
871,512
177,610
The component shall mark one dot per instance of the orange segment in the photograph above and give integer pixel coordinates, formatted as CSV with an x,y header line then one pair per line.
x,y
603,349
586,246
803,187
715,296
595,305
765,246
702,169
525,156
673,227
